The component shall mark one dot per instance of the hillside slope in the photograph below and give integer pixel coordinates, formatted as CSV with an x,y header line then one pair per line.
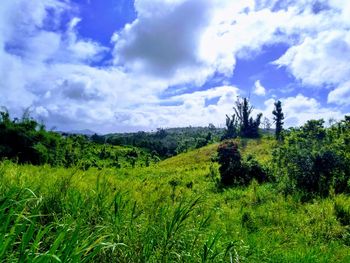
x,y
168,212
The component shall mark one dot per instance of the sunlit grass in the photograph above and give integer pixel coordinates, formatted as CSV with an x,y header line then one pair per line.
x,y
168,212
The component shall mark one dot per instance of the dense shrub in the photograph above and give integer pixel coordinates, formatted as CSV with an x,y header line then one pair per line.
x,y
231,169
255,171
234,170
315,159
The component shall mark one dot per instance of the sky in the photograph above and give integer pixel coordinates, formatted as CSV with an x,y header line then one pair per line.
x,y
124,65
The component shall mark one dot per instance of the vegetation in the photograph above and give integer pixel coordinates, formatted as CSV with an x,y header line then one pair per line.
x,y
167,142
234,170
315,159
242,123
168,212
26,141
279,117
78,199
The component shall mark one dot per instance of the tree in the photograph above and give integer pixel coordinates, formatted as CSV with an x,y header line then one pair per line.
x,y
211,127
231,130
243,111
279,117
249,127
266,124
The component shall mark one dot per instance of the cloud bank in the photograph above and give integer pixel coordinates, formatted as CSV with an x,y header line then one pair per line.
x,y
72,82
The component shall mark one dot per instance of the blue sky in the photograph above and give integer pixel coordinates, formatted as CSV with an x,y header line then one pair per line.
x,y
122,65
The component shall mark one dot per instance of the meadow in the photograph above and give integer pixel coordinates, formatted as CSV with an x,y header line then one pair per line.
x,y
171,211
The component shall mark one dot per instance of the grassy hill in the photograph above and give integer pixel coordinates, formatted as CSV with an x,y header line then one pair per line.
x,y
171,211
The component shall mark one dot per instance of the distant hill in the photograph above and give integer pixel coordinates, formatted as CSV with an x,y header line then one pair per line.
x,y
167,142
86,132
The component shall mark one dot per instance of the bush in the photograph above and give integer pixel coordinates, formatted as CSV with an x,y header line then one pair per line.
x,y
255,170
229,158
314,159
235,171
342,211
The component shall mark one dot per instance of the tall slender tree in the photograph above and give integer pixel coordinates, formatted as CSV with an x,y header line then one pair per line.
x,y
279,117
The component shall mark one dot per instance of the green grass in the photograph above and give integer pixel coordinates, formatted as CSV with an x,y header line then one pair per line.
x,y
168,212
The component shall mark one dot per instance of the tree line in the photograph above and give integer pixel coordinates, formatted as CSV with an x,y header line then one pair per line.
x,y
24,140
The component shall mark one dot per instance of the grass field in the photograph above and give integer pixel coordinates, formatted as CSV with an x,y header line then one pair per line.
x,y
169,212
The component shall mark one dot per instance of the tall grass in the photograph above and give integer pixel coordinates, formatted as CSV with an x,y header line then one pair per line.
x,y
137,215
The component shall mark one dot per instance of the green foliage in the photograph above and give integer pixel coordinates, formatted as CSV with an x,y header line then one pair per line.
x,y
248,222
342,211
278,118
241,123
128,215
255,170
315,159
249,127
231,169
232,128
234,170
172,210
25,141
165,143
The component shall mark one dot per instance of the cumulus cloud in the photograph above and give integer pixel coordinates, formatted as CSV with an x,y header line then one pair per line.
x,y
164,37
320,60
340,95
186,41
31,52
320,57
190,109
259,89
53,69
299,109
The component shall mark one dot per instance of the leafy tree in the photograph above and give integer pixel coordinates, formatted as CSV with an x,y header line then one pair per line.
x,y
201,142
97,138
211,127
279,117
209,137
24,140
243,109
314,129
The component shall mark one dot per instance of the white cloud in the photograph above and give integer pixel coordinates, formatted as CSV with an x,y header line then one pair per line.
x,y
79,50
299,109
185,41
320,57
171,42
164,37
191,109
30,54
320,60
340,95
259,89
